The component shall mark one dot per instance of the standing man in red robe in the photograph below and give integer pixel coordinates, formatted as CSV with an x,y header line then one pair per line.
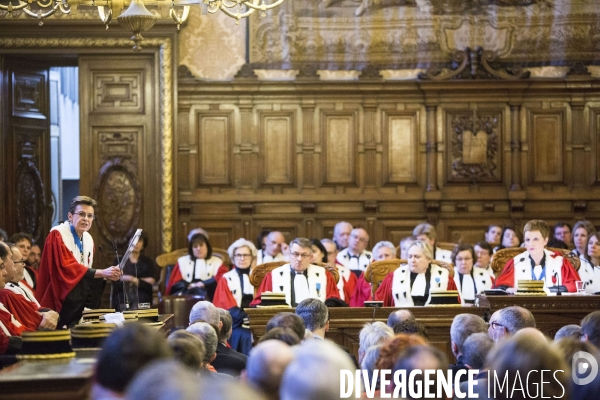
x,y
66,276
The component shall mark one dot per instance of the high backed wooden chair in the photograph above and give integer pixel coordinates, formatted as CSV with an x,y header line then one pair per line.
x,y
378,270
165,260
222,254
502,256
260,271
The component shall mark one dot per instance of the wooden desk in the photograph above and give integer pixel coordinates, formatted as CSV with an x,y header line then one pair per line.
x,y
551,313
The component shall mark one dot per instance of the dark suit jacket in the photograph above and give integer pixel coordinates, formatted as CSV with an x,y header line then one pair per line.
x,y
229,361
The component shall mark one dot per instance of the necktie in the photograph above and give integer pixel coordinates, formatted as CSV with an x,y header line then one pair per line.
x,y
301,288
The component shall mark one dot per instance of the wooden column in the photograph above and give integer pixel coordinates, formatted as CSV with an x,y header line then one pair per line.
x,y
431,149
515,147
370,145
580,145
248,147
309,149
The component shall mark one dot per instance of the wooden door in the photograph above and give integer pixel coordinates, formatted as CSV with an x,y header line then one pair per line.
x,y
25,147
120,147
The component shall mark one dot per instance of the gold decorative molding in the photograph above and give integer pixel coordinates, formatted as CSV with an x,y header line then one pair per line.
x,y
165,46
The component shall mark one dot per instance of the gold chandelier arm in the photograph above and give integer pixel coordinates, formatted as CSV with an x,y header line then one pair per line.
x,y
65,8
237,15
41,15
11,8
105,17
262,6
177,18
45,5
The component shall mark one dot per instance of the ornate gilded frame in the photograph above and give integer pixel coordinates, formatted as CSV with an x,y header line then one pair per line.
x,y
166,103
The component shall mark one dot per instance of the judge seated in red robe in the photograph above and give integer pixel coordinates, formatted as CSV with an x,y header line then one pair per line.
x,y
538,263
412,284
198,272
10,328
66,279
299,279
234,288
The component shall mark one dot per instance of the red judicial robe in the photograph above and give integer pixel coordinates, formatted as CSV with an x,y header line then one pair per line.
x,y
188,271
229,292
9,326
519,268
65,276
362,292
22,309
321,284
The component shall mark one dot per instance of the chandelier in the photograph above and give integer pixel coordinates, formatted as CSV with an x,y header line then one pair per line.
x,y
136,16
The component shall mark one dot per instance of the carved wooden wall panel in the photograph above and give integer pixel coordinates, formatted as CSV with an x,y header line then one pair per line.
x,y
118,92
400,142
339,131
304,162
214,137
277,144
547,130
30,97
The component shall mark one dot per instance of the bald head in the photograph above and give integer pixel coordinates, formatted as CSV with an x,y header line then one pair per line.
x,y
274,241
266,364
533,333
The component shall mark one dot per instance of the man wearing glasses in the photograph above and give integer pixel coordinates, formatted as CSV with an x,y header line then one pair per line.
x,y
299,279
66,276
355,256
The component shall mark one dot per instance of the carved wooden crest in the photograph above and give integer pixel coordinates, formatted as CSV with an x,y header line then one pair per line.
x,y
30,198
119,200
474,141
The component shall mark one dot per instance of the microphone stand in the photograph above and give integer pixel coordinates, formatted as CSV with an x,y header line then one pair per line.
x,y
126,298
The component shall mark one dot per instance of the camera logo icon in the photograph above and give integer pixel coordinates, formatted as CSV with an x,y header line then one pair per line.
x,y
584,368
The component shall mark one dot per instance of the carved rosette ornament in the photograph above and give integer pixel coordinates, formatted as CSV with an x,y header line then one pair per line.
x,y
474,148
119,199
30,199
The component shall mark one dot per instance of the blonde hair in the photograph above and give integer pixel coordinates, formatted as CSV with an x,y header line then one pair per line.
x,y
537,225
426,247
241,242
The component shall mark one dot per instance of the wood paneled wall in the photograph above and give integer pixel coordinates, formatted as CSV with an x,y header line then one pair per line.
x,y
300,156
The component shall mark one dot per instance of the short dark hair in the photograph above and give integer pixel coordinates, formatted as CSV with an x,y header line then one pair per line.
x,y
199,238
3,251
319,245
302,242
17,237
85,200
462,247
227,321
486,246
285,335
515,318
590,326
187,348
314,313
125,352
560,224
3,236
476,348
411,327
287,320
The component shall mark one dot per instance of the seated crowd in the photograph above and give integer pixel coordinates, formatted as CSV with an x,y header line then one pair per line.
x,y
215,357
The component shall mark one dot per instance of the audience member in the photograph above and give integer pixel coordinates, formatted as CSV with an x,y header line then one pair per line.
x,y
493,235
562,231
426,233
469,279
581,233
384,251
411,285
187,348
463,326
590,328
205,311
209,337
198,272
285,335
572,331
369,363
508,321
299,280
411,327
266,365
124,353
356,257
315,315
341,234
310,374
287,320
372,334
475,350
227,360
399,316
275,249
568,348
420,357
528,357
392,349
538,263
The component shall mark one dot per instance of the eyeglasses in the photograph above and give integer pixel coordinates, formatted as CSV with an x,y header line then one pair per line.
x,y
496,325
19,262
301,255
84,215
242,255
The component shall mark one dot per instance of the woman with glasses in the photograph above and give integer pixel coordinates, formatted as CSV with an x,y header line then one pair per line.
x,y
198,272
234,288
589,272
411,284
469,279
66,280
